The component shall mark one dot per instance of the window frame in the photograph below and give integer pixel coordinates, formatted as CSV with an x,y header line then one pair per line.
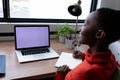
x,y
6,16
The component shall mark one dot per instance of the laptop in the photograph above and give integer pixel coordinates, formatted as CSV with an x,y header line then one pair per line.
x,y
32,42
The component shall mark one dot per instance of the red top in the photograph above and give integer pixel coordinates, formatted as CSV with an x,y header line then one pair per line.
x,y
96,66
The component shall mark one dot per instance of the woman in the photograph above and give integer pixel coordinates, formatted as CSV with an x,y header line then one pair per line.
x,y
99,30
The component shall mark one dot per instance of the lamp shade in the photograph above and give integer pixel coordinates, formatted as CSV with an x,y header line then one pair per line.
x,y
75,10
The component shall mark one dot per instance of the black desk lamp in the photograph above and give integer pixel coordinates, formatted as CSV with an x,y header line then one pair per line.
x,y
75,10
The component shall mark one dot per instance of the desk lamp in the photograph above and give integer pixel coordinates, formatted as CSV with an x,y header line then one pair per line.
x,y
75,10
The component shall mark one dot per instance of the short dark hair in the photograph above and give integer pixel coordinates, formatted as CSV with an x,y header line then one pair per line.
x,y
109,19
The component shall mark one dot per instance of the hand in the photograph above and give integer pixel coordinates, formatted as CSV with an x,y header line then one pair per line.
x,y
63,70
77,54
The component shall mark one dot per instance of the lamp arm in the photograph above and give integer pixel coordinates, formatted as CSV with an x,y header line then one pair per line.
x,y
76,27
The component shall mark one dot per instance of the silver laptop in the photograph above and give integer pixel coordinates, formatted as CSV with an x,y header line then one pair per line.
x,y
32,42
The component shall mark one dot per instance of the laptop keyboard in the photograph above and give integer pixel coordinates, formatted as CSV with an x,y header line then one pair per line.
x,y
34,51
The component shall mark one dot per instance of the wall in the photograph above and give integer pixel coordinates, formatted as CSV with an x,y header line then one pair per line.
x,y
9,28
114,4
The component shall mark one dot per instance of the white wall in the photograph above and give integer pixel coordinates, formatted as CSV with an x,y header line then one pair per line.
x,y
114,4
9,28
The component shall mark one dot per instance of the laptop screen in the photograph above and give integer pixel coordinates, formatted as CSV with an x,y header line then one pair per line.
x,y
31,36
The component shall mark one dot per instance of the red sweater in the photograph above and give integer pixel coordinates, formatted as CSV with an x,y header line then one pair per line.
x,y
96,66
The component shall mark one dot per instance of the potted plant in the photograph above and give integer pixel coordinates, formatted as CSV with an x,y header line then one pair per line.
x,y
64,31
61,33
69,38
65,34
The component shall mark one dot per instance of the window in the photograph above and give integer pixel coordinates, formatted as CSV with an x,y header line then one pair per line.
x,y
20,8
1,9
45,10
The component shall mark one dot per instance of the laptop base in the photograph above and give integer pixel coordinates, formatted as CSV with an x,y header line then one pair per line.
x,y
34,57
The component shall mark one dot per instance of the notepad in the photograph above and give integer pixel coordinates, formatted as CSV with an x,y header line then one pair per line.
x,y
2,64
67,59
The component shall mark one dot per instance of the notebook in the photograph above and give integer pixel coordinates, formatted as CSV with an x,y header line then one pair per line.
x,y
67,59
2,64
32,42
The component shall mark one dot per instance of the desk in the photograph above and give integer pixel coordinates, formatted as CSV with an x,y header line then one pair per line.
x,y
31,70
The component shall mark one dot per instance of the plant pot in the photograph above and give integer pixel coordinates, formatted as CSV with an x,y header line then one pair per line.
x,y
69,44
61,39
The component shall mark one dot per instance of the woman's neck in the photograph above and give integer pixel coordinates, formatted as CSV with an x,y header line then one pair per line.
x,y
99,47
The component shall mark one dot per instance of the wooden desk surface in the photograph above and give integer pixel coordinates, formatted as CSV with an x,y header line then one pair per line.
x,y
31,70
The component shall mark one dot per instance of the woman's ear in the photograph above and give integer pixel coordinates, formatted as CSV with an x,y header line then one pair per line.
x,y
100,34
